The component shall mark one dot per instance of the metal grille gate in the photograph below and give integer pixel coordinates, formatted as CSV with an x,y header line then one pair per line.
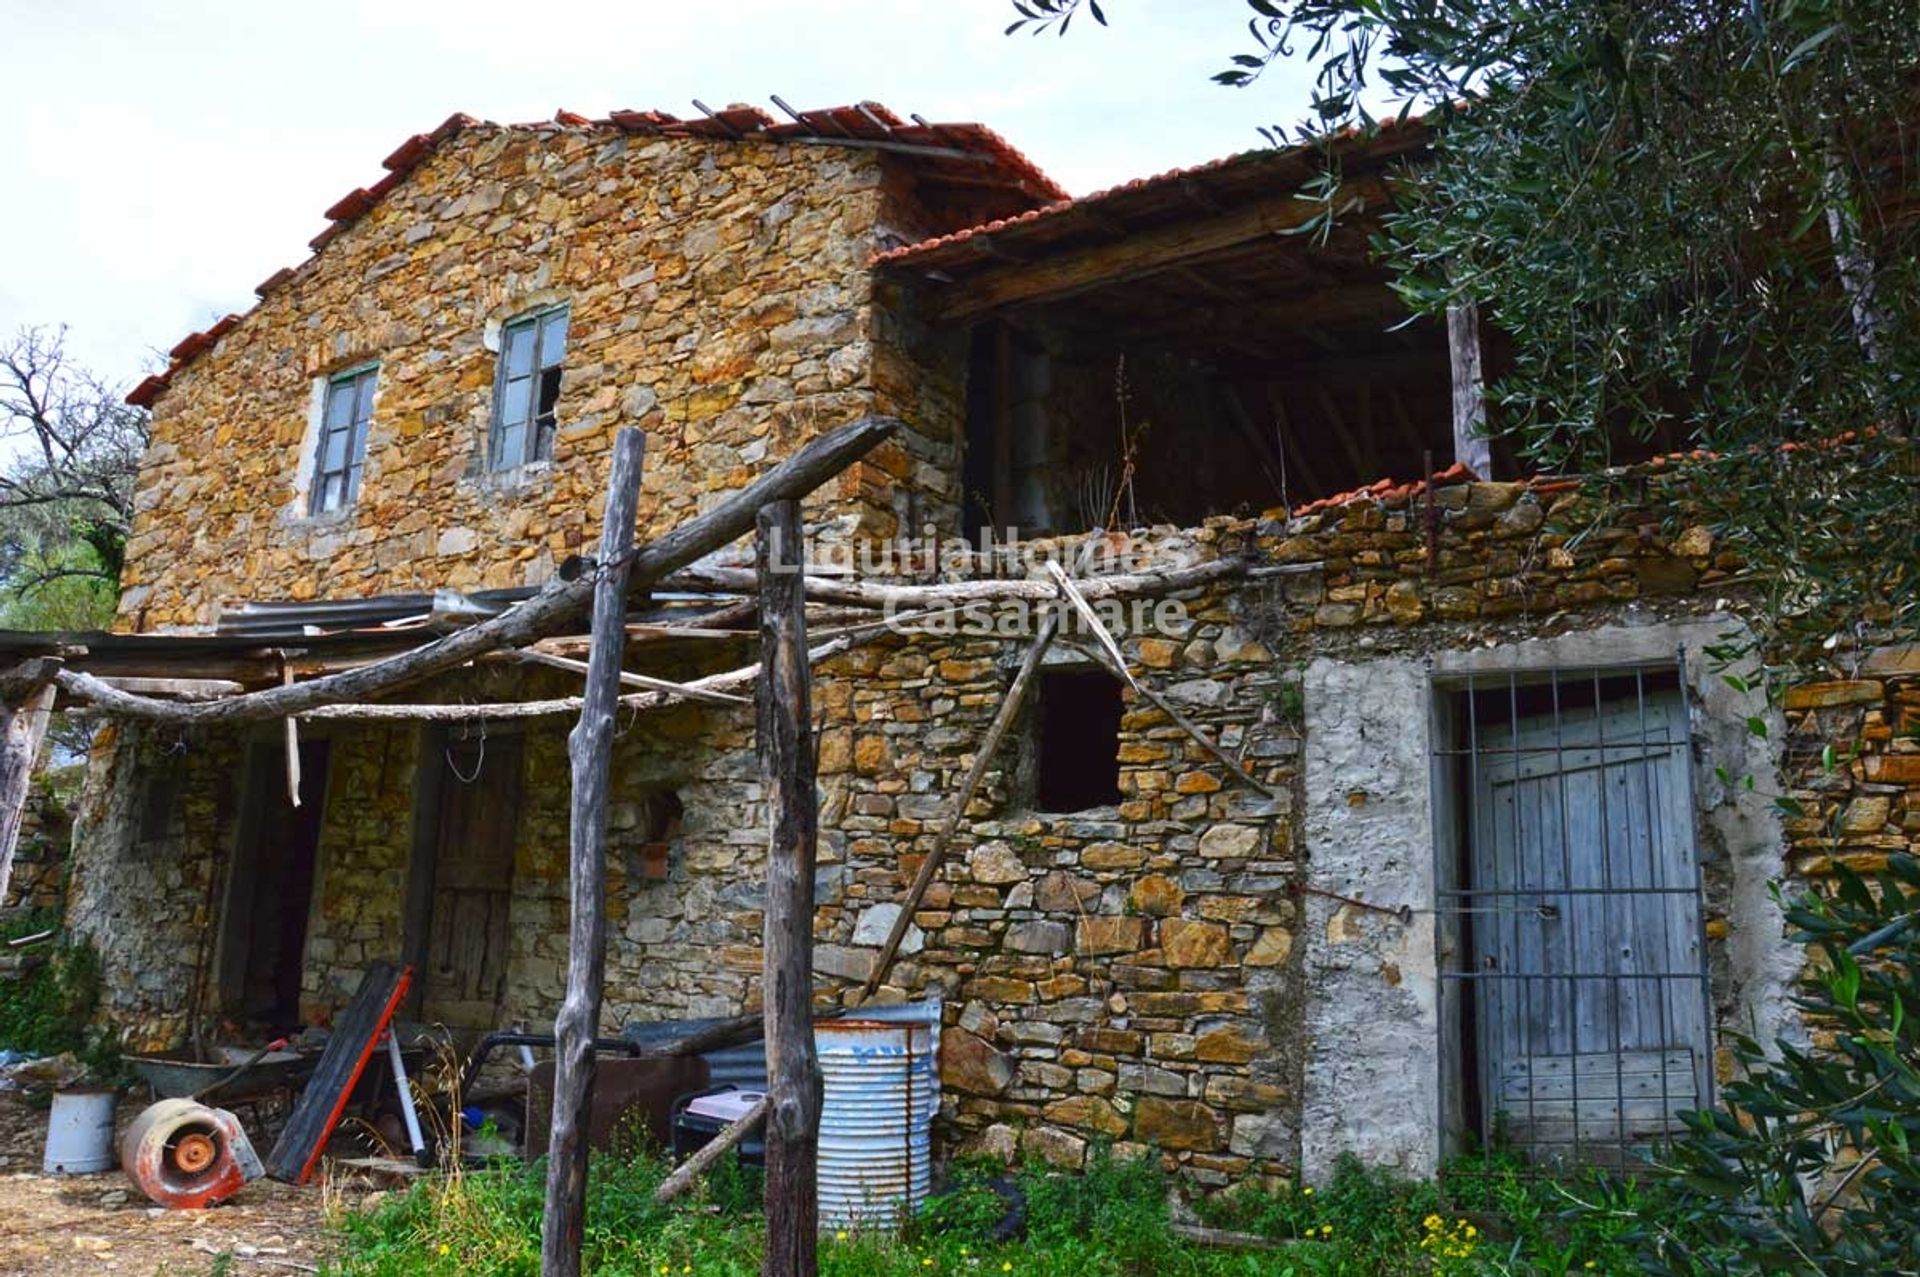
x,y
1571,910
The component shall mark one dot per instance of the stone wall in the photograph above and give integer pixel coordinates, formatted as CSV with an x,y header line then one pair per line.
x,y
1144,971
720,298
38,882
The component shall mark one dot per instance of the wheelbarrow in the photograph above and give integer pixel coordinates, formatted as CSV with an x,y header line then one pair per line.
x,y
235,1072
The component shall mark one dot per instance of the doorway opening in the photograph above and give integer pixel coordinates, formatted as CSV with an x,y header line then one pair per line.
x,y
1574,980
263,938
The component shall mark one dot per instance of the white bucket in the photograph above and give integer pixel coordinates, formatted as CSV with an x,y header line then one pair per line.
x,y
80,1133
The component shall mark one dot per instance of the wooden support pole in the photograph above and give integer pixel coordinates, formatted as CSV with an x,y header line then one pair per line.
x,y
26,699
1470,446
292,739
794,1085
851,592
547,613
590,749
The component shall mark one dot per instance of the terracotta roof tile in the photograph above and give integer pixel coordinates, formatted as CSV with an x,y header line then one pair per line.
x,y
1068,204
863,123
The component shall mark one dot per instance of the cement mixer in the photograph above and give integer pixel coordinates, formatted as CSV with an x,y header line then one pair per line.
x,y
185,1155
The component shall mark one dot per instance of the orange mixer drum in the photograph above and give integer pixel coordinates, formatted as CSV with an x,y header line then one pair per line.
x,y
186,1155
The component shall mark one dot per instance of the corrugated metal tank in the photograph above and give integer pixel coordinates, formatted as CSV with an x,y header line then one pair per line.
x,y
882,1088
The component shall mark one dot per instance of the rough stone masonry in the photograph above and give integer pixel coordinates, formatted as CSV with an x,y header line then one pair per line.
x,y
1162,971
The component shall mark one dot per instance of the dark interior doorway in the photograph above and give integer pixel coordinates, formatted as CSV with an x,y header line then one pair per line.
x,y
270,888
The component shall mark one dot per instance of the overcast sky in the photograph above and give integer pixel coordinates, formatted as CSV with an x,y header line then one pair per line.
x,y
160,159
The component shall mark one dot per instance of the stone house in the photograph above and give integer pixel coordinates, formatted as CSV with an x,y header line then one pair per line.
x,y
1477,863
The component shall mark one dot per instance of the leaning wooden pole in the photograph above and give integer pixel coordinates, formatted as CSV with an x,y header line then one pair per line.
x,y
590,749
983,754
785,715
557,606
26,698
1003,720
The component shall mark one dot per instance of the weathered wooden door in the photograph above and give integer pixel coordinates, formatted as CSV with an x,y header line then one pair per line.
x,y
263,924
463,965
1585,916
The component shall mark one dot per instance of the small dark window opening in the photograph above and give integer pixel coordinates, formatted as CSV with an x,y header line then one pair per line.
x,y
1078,754
343,441
661,816
158,795
531,350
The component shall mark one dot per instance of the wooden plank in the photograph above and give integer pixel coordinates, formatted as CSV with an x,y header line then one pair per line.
x,y
1147,252
549,612
26,700
356,1032
590,750
1471,447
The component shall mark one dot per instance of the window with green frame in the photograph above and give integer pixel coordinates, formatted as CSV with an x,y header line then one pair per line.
x,y
527,388
343,440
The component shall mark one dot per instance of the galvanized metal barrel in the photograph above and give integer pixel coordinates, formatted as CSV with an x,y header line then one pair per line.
x,y
882,1087
79,1133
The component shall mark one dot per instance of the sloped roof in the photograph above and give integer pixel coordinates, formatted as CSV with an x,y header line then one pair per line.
x,y
950,147
1148,201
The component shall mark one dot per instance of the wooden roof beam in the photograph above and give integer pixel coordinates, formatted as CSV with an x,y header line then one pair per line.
x,y
1145,253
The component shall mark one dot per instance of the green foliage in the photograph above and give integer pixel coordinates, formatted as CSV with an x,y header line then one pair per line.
x,y
1116,1204
1692,219
72,450
46,1010
1809,1165
1113,1220
968,1205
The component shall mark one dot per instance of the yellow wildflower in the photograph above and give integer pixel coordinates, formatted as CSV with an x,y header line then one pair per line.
x,y
1326,1230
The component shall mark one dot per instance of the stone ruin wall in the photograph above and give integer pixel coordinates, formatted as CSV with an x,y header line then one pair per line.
x,y
720,299
1132,973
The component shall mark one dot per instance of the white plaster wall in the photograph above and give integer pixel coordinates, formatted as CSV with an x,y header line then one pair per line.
x,y
1372,1029
1372,1017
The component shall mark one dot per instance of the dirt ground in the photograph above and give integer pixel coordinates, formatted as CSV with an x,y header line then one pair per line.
x,y
65,1225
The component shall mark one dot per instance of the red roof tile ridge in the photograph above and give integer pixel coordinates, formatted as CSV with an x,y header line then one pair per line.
x,y
737,122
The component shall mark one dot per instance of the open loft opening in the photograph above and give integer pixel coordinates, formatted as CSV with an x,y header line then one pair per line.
x,y
1188,346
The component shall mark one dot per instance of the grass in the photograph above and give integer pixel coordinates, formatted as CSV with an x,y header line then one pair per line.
x,y
1112,1220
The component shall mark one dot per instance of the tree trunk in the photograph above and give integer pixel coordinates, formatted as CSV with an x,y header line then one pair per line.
x,y
787,772
1859,277
590,748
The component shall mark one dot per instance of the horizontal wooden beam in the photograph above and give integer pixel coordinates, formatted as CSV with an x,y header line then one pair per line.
x,y
550,612
1147,252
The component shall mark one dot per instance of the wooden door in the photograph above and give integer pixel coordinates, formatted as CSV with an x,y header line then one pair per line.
x,y
473,831
1590,989
263,924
